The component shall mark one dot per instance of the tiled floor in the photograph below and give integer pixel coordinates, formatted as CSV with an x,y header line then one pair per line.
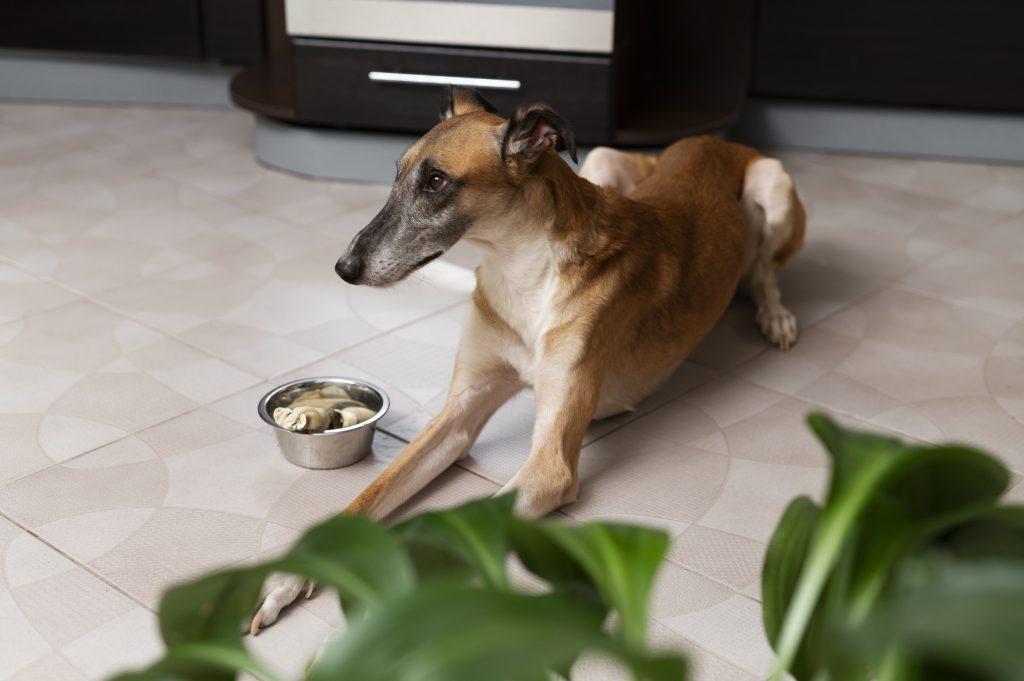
x,y
155,281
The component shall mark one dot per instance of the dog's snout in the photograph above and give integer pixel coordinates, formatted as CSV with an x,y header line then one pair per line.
x,y
349,268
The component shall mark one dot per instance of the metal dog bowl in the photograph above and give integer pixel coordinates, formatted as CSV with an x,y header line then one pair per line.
x,y
331,448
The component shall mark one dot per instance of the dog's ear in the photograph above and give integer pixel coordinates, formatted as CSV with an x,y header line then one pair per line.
x,y
461,100
532,129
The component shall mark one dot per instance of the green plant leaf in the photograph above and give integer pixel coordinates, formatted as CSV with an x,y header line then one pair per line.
x,y
210,609
784,561
451,633
355,556
926,491
783,564
961,617
621,561
994,532
886,499
476,534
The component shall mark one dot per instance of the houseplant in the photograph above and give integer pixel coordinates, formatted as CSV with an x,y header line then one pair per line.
x,y
431,598
912,569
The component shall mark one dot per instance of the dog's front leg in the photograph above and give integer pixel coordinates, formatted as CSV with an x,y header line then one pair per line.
x,y
482,382
473,399
567,398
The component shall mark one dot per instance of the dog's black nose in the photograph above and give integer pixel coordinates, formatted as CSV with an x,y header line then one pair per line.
x,y
349,268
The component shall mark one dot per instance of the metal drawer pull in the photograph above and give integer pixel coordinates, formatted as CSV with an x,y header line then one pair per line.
x,y
425,79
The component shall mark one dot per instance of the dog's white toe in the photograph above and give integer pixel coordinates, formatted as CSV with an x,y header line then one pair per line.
x,y
281,591
779,326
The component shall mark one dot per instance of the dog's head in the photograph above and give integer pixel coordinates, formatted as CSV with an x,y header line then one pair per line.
x,y
463,175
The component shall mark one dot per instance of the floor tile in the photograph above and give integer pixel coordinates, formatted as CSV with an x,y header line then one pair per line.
x,y
23,294
236,299
52,607
730,630
913,363
114,378
130,641
975,278
191,494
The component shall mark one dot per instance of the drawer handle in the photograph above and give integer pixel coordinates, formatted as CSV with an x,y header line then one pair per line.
x,y
425,79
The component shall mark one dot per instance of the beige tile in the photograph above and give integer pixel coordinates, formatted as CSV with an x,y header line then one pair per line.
x,y
974,278
733,339
164,138
309,201
22,644
23,453
226,175
114,378
817,352
52,667
930,369
192,494
726,558
813,292
729,400
47,602
23,294
192,374
679,591
130,641
288,648
730,630
627,473
176,544
753,495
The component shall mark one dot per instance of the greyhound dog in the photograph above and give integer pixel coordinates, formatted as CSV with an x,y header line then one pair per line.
x,y
592,289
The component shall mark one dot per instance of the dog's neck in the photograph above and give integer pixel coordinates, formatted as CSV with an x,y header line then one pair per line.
x,y
555,206
556,221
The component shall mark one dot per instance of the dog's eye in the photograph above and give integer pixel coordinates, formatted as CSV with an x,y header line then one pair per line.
x,y
436,181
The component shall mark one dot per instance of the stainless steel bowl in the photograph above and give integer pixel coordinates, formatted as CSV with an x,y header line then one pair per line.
x,y
331,448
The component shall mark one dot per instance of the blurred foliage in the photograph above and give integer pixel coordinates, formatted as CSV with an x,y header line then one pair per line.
x,y
910,571
430,600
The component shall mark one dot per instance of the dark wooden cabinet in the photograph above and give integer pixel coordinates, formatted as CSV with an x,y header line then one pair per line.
x,y
676,67
229,30
936,53
233,30
146,27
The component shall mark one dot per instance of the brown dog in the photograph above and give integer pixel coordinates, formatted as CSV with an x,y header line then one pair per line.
x,y
592,295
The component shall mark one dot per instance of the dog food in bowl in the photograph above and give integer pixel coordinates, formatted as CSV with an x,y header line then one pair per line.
x,y
321,409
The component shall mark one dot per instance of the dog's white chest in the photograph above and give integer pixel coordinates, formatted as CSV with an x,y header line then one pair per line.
x,y
522,292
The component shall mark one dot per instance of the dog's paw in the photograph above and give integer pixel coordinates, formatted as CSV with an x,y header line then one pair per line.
x,y
779,326
279,592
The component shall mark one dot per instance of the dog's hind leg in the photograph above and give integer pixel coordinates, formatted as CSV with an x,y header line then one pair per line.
x,y
618,170
775,231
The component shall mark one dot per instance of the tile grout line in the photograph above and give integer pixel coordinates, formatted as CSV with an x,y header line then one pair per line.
x,y
84,566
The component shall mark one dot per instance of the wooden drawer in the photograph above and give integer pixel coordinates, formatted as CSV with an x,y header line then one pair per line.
x,y
333,85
